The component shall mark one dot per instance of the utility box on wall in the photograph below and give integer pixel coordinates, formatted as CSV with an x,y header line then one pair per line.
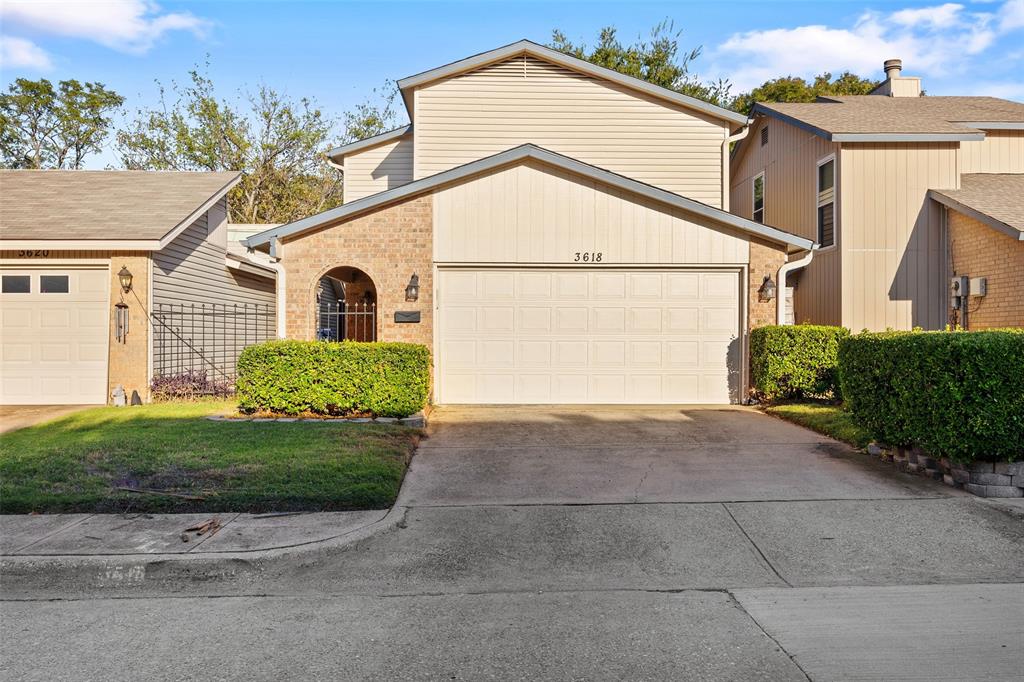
x,y
977,286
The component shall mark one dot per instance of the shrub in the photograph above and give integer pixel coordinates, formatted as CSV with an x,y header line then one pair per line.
x,y
953,394
795,361
189,385
292,377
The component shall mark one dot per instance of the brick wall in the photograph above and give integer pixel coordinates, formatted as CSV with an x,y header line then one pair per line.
x,y
389,245
129,360
765,259
978,250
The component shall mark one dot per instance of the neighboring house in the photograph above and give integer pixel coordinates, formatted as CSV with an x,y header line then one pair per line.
x,y
554,231
902,191
69,332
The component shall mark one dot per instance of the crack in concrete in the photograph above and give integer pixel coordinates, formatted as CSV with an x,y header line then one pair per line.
x,y
777,643
756,548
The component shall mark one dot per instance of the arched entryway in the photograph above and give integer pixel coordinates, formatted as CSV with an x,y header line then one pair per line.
x,y
346,303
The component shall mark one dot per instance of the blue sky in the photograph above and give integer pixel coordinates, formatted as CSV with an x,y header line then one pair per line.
x,y
337,52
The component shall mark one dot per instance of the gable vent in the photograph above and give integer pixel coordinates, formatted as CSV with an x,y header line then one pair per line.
x,y
764,136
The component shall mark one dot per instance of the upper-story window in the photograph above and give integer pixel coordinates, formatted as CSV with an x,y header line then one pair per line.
x,y
758,199
826,202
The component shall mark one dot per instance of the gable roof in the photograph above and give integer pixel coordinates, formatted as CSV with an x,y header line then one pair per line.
x,y
141,210
368,142
875,118
409,84
516,155
994,199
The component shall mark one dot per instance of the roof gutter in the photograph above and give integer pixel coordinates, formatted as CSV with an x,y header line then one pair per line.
x,y
780,297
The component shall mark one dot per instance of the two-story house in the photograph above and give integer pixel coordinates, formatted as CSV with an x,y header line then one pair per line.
x,y
555,231
902,192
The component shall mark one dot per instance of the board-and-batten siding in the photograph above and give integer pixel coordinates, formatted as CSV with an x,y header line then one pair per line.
x,y
894,269
1002,151
379,168
532,213
525,100
790,164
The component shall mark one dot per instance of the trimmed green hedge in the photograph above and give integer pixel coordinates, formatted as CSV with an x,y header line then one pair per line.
x,y
794,361
292,377
953,394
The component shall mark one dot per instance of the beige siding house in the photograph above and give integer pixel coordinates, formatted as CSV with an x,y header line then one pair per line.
x,y
884,258
70,333
565,226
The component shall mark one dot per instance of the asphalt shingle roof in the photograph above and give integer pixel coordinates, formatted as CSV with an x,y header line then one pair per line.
x,y
101,205
867,114
996,195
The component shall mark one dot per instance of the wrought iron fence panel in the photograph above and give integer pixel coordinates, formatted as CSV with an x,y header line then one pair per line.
x,y
347,321
207,337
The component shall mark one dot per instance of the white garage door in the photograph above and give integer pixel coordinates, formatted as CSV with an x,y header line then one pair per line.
x,y
53,336
588,336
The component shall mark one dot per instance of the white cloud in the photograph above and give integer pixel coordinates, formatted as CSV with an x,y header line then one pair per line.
x,y
931,41
1011,15
19,53
132,26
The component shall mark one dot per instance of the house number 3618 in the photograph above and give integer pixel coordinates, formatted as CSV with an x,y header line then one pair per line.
x,y
587,257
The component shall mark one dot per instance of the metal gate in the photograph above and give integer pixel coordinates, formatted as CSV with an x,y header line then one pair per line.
x,y
347,321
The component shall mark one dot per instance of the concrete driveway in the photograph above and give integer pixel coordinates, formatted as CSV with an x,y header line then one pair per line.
x,y
611,455
588,543
14,417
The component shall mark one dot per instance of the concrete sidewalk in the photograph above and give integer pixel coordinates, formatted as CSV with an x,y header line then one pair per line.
x,y
84,535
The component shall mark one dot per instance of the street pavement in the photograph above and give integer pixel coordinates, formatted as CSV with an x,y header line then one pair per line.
x,y
581,543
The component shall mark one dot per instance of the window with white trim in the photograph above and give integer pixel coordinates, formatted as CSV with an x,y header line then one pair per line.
x,y
826,202
758,199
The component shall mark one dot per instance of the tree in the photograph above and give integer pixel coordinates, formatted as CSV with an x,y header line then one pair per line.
x,y
46,127
278,144
795,89
657,60
375,115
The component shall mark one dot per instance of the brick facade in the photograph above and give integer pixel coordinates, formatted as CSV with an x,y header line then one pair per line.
x,y
765,259
129,360
389,245
977,250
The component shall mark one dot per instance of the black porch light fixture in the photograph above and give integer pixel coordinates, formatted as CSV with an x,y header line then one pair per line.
x,y
766,292
412,290
125,278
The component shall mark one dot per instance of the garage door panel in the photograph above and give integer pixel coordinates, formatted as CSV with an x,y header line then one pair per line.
x,y
590,337
498,286
53,345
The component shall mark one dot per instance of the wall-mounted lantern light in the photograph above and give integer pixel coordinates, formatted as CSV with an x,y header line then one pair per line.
x,y
412,290
766,292
125,277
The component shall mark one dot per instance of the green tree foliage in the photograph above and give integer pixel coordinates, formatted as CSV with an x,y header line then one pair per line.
x,y
373,116
657,60
795,89
42,126
277,142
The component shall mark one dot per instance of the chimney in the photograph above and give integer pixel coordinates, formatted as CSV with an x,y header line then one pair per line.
x,y
893,67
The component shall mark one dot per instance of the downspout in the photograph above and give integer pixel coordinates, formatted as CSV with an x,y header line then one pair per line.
x,y
280,290
780,298
725,162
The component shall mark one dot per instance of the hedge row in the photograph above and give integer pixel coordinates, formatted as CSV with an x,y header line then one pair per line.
x,y
954,394
293,377
795,361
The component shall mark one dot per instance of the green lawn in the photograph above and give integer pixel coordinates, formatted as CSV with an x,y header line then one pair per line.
x,y
831,420
78,462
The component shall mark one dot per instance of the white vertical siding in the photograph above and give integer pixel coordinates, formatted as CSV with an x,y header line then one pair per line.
x,y
789,161
892,242
532,213
525,100
1002,151
378,168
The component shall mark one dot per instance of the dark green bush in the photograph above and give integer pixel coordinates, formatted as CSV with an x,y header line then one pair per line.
x,y
953,394
292,377
795,361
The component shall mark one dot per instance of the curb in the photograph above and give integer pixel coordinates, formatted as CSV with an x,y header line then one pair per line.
x,y
78,572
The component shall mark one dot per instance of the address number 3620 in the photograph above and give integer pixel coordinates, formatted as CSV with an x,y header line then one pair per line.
x,y
588,257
